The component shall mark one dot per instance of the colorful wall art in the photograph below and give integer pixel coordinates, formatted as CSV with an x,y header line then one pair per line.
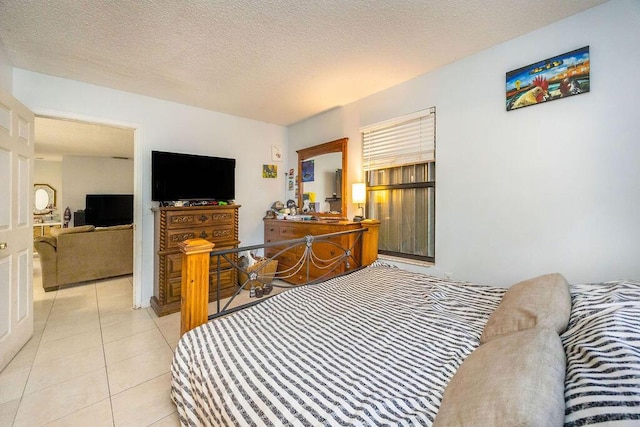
x,y
554,78
269,171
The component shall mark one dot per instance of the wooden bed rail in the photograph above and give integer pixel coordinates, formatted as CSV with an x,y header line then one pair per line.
x,y
196,254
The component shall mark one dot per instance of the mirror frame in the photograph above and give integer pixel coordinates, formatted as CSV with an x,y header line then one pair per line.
x,y
51,192
336,146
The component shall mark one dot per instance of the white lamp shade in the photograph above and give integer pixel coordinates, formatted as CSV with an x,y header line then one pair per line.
x,y
358,192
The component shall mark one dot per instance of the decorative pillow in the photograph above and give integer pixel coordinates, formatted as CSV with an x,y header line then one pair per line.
x,y
55,232
543,301
115,227
514,380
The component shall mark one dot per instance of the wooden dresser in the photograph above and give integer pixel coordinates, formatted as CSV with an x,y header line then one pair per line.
x,y
277,230
217,224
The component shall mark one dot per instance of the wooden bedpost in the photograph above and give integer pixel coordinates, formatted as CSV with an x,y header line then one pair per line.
x,y
194,293
370,241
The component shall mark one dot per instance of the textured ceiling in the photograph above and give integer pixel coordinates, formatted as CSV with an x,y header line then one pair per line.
x,y
277,61
56,138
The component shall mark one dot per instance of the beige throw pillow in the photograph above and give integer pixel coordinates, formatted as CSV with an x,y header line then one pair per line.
x,y
514,380
543,301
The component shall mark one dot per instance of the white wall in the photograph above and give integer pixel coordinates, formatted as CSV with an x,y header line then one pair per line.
x,y
167,126
74,177
546,188
86,175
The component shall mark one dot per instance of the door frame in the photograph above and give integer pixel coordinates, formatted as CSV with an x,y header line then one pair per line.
x,y
137,187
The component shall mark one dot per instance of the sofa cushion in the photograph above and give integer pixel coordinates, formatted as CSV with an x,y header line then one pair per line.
x,y
543,301
514,380
96,255
81,229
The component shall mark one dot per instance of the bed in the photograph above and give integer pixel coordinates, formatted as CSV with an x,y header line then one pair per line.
x,y
384,346
602,344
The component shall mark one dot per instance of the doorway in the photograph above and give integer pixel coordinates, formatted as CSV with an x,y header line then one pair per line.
x,y
78,156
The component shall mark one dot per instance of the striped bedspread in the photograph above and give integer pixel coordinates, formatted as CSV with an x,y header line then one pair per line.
x,y
602,344
376,347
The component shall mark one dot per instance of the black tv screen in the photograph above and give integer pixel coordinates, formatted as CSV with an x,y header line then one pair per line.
x,y
104,210
177,176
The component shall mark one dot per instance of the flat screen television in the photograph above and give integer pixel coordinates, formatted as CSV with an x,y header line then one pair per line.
x,y
104,210
178,176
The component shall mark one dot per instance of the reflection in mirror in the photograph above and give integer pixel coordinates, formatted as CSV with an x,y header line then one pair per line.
x,y
41,199
320,179
44,199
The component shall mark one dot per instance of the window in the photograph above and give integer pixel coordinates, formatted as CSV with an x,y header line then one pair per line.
x,y
400,173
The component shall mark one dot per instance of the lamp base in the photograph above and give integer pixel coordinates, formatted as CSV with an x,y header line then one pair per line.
x,y
358,218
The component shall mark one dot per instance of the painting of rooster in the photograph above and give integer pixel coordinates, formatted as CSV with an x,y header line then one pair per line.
x,y
554,78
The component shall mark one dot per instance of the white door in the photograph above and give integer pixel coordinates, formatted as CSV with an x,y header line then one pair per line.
x,y
16,234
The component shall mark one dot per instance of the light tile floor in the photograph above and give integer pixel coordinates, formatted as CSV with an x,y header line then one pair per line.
x,y
93,360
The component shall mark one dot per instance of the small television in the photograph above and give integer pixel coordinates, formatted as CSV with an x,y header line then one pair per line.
x,y
178,176
104,210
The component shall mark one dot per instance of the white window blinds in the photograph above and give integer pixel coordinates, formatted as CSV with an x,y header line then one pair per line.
x,y
405,140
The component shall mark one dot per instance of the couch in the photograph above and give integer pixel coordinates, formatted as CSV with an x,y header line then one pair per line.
x,y
78,254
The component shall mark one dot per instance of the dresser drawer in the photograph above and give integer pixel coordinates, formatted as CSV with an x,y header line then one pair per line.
x,y
293,232
324,270
325,254
214,234
174,263
199,217
296,273
271,234
289,256
226,278
224,263
173,225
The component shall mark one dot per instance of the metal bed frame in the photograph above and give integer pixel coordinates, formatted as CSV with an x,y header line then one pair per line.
x,y
330,267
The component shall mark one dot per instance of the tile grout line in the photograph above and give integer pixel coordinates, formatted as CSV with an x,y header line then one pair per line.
x,y
104,358
15,415
48,317
105,369
136,355
24,387
49,303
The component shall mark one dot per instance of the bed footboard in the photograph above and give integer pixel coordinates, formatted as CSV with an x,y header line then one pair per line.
x,y
199,255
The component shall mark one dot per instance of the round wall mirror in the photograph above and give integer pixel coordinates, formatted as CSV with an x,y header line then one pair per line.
x,y
44,199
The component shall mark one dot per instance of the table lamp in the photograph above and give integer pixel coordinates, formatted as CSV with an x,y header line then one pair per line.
x,y
359,197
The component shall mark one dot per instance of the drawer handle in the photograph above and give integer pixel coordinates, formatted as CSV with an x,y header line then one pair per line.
x,y
203,218
204,235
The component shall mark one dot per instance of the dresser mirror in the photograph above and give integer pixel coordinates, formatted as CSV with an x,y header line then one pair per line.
x,y
44,200
322,185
